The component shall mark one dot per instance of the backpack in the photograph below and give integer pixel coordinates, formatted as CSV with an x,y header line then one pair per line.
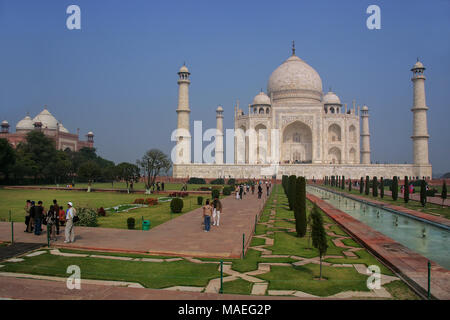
x,y
75,217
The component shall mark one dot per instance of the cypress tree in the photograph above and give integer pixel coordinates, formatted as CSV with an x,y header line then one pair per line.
x,y
318,235
300,207
284,183
375,187
406,192
444,192
343,183
381,188
423,193
291,191
350,185
361,185
367,186
395,189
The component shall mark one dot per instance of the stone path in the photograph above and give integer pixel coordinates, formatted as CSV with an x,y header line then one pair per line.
x,y
182,236
17,249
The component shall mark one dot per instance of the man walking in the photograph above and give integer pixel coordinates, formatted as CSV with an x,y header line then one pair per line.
x,y
259,191
38,215
27,215
55,213
217,210
69,231
31,225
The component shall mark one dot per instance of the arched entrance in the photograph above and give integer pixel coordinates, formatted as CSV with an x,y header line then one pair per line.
x,y
297,143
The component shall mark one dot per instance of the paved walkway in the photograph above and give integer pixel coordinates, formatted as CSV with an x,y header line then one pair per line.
x,y
182,236
407,263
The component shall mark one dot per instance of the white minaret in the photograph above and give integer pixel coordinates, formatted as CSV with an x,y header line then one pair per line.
x,y
365,136
219,135
420,129
183,151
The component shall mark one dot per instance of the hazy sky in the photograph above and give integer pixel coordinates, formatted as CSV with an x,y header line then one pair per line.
x,y
117,76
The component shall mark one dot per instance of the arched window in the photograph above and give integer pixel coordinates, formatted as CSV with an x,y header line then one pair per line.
x,y
261,111
267,111
332,110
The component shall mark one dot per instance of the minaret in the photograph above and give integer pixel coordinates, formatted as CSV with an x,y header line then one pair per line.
x,y
183,136
420,132
365,136
219,135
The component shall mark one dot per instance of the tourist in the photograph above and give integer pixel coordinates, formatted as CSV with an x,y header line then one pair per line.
x,y
52,217
241,191
217,210
32,221
162,186
69,231
55,209
259,191
38,216
207,211
27,215
62,216
267,187
253,188
237,192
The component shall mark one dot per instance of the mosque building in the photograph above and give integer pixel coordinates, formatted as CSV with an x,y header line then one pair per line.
x,y
51,127
296,128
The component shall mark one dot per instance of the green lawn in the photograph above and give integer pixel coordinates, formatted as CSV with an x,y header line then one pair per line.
x,y
14,200
149,274
238,286
137,186
430,208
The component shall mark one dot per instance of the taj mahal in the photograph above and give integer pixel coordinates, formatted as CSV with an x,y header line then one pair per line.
x,y
296,128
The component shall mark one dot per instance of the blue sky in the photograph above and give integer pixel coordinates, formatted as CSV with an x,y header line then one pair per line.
x,y
117,75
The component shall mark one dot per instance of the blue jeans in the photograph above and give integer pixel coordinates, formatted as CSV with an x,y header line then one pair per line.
x,y
207,223
37,226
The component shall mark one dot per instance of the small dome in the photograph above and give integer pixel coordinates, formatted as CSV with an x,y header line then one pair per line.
x,y
62,129
219,108
184,69
365,108
5,123
47,119
331,98
90,133
261,98
25,124
418,65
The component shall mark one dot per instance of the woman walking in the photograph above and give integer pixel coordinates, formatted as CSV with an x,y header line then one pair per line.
x,y
207,212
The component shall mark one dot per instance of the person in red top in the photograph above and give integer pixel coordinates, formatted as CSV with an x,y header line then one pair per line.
x,y
62,216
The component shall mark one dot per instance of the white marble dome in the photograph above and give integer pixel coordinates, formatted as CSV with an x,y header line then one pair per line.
x,y
294,74
25,124
47,119
331,98
418,65
261,98
62,128
184,69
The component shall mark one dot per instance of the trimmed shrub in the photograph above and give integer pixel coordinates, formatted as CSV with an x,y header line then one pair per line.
x,y
231,182
291,191
375,187
131,223
300,206
350,185
199,200
227,190
395,189
215,193
343,183
381,188
423,193
176,205
406,192
367,185
88,217
218,181
361,185
444,192
194,180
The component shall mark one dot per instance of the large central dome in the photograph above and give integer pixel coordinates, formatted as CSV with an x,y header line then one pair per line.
x,y
295,79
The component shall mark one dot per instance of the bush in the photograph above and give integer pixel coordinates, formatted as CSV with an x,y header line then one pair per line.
x,y
130,223
218,181
300,206
196,181
176,205
199,200
88,217
227,190
215,193
101,212
231,182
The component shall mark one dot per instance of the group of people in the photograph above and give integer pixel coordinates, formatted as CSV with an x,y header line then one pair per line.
x,y
53,218
243,189
212,210
159,186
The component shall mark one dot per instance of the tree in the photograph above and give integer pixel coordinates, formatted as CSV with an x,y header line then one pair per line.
x,y
350,185
7,157
128,172
423,192
152,163
444,192
89,170
367,185
395,188
284,183
406,192
343,183
361,185
109,173
375,187
291,191
381,188
59,169
318,234
300,206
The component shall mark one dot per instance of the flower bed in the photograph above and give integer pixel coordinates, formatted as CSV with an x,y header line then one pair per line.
x,y
178,194
147,201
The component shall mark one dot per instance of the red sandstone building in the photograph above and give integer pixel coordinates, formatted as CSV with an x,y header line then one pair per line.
x,y
51,127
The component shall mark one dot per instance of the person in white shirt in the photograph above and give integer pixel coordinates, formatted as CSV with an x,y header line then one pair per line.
x,y
69,230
